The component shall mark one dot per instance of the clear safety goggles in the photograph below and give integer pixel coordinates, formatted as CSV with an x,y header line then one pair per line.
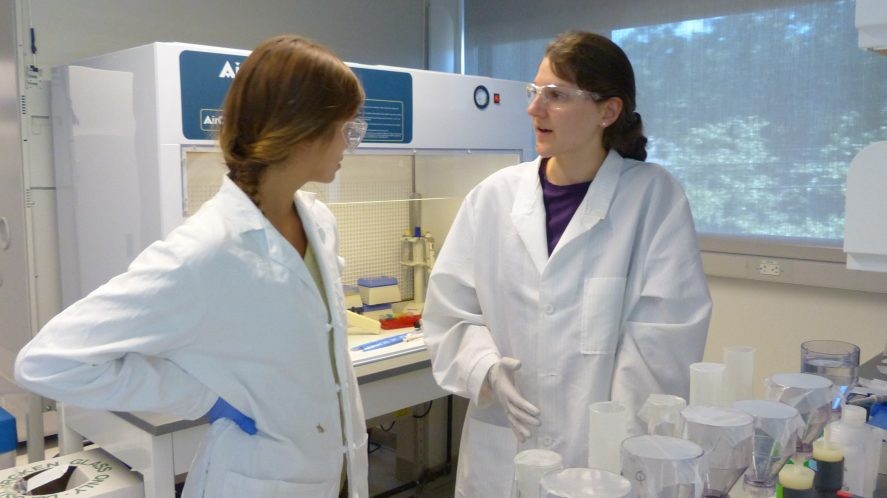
x,y
354,131
557,97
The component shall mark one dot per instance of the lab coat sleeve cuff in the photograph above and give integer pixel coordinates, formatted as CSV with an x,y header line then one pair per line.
x,y
476,379
203,403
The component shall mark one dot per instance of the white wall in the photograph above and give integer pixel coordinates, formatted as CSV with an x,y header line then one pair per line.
x,y
776,318
371,32
445,20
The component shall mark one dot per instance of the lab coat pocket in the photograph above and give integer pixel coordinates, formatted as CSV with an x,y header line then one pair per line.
x,y
601,313
238,486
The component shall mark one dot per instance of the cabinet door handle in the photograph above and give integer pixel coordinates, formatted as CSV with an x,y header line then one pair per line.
x,y
5,237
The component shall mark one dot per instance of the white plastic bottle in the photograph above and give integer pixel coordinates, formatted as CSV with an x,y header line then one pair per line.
x,y
861,450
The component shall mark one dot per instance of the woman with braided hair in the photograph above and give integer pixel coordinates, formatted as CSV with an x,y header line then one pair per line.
x,y
238,314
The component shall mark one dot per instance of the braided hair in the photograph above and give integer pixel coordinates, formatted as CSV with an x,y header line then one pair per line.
x,y
289,90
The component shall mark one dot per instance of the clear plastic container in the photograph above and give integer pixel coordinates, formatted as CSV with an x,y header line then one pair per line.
x,y
529,467
837,361
608,423
662,414
739,371
727,437
706,384
777,429
664,467
811,395
584,483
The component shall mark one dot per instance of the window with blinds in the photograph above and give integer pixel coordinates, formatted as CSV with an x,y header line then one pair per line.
x,y
757,107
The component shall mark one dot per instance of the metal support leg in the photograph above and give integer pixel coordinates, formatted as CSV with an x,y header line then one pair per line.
x,y
160,478
34,423
69,440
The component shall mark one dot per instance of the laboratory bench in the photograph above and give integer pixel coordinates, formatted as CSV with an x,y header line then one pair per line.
x,y
390,378
161,447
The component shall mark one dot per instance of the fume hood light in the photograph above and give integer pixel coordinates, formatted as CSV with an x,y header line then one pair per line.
x,y
871,22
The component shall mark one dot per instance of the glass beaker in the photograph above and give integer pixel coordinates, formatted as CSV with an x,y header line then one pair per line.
x,y
608,423
584,483
811,395
837,361
663,467
777,428
529,467
726,436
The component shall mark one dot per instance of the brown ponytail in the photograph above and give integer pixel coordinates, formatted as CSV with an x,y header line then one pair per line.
x,y
598,65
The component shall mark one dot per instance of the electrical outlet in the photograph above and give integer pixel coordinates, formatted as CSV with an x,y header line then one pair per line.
x,y
769,267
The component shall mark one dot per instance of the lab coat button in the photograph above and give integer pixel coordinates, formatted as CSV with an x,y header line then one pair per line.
x,y
549,309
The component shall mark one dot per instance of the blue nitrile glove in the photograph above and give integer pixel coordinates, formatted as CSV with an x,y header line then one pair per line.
x,y
222,409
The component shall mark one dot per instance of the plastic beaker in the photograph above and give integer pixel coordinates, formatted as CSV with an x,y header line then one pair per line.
x,y
529,467
810,394
584,483
837,361
706,384
663,467
662,414
726,436
608,423
739,362
777,429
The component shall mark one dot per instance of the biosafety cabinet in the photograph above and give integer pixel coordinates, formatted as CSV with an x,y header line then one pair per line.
x,y
135,155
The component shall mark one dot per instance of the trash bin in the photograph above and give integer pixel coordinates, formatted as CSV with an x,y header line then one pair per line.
x,y
92,473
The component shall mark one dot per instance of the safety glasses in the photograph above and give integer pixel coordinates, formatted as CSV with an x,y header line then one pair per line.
x,y
557,97
354,131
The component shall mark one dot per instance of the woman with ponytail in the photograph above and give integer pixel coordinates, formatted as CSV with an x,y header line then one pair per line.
x,y
567,280
238,314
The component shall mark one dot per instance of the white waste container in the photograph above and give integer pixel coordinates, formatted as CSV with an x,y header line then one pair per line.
x,y
86,474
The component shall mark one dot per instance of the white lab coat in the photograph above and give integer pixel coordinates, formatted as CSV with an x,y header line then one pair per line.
x,y
618,311
224,306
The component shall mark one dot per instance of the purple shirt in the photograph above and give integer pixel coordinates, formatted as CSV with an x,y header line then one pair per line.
x,y
561,202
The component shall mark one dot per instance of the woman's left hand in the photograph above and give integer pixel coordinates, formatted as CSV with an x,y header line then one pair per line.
x,y
223,409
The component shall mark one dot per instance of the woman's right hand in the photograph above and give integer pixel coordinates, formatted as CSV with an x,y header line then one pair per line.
x,y
222,409
522,414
